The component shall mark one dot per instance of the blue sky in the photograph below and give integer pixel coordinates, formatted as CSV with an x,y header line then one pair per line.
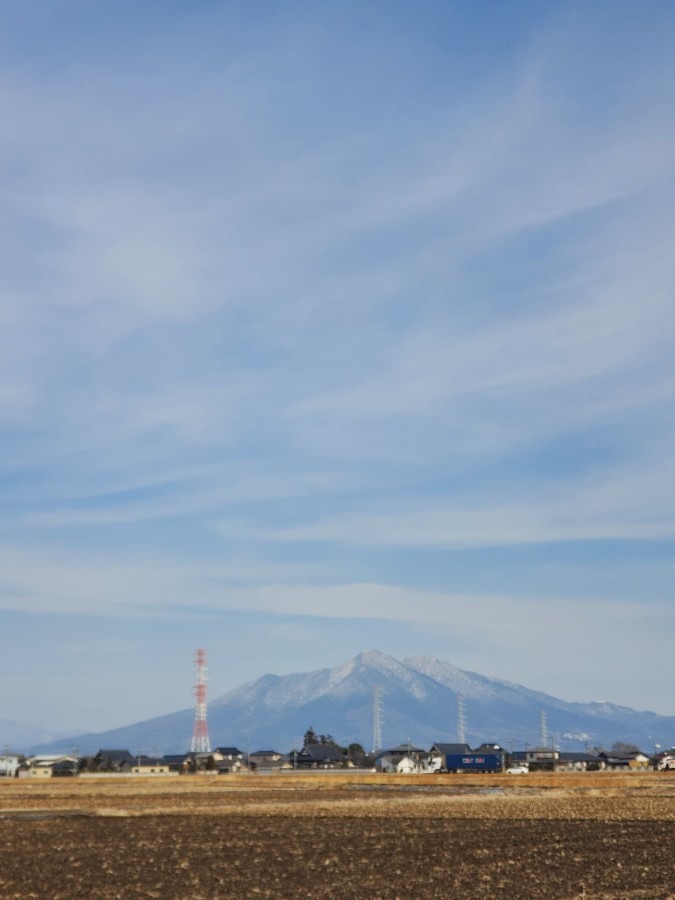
x,y
330,327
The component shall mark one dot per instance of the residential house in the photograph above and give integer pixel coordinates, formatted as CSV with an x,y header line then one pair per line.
x,y
318,756
266,760
113,761
403,759
216,762
229,759
542,759
9,764
576,762
67,767
48,766
634,761
150,765
177,762
202,763
664,761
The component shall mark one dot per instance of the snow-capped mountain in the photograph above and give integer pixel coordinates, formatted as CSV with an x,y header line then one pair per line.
x,y
419,703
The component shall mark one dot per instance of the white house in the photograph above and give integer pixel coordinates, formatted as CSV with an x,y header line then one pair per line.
x,y
404,759
9,763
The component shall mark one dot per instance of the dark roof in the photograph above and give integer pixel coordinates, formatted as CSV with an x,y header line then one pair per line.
x,y
573,756
489,748
65,765
451,748
175,759
265,753
321,753
115,755
228,751
620,759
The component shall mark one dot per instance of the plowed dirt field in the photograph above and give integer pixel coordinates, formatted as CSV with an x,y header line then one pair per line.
x,y
334,836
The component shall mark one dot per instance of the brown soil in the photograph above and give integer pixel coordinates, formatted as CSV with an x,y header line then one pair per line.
x,y
343,837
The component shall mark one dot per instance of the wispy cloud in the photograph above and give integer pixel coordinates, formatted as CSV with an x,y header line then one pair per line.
x,y
274,315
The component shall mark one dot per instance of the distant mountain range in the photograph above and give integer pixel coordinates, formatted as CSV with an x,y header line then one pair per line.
x,y
419,703
18,734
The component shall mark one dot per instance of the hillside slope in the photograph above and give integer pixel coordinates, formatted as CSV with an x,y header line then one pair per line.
x,y
419,702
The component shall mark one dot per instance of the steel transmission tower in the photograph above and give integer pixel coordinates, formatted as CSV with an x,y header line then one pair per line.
x,y
461,720
377,718
200,732
543,729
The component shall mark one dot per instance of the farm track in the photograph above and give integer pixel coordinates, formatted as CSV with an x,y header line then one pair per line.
x,y
339,836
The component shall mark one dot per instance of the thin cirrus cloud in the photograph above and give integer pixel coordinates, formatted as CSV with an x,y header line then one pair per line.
x,y
299,309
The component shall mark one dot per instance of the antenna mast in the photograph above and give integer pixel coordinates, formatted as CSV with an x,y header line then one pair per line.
x,y
200,732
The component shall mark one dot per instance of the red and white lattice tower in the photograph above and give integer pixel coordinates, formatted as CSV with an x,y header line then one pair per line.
x,y
200,732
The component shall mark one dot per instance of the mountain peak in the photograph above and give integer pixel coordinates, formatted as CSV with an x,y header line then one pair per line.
x,y
419,701
376,659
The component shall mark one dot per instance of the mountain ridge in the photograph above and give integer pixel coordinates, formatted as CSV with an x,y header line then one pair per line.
x,y
419,699
17,734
